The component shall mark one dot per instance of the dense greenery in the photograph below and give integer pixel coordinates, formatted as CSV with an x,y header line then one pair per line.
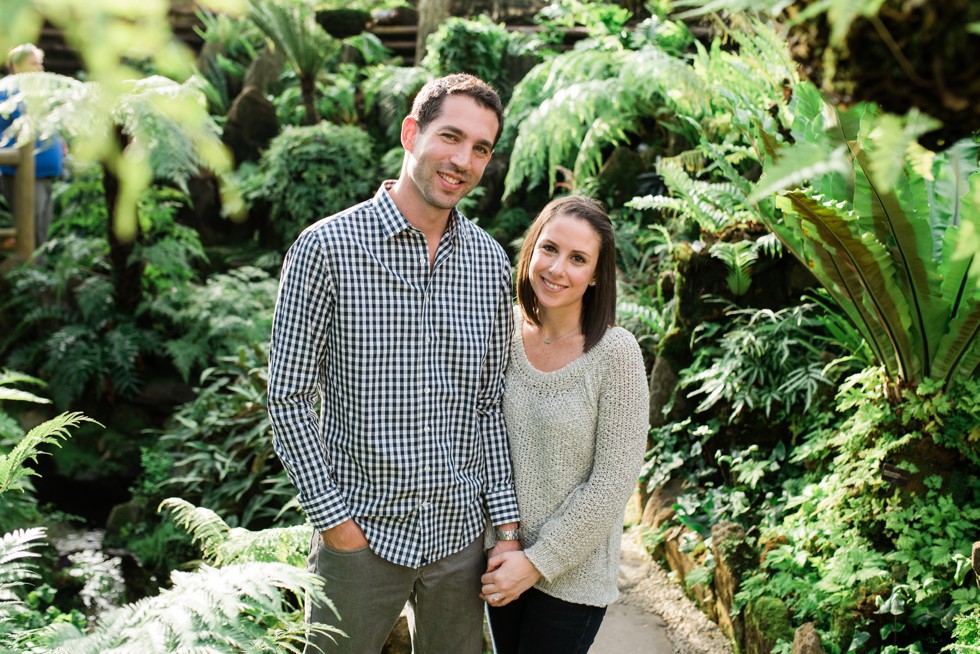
x,y
802,275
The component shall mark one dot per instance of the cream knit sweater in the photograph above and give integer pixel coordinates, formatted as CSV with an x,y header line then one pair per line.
x,y
577,440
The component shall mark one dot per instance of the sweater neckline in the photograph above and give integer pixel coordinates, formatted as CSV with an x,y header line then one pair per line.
x,y
568,370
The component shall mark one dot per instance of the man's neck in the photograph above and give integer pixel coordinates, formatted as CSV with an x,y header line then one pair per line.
x,y
429,220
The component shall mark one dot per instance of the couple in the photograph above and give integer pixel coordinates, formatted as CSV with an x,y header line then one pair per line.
x,y
397,317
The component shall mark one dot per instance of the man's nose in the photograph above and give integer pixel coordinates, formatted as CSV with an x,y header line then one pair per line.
x,y
461,157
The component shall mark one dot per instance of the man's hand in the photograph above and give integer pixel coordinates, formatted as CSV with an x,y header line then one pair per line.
x,y
344,537
504,546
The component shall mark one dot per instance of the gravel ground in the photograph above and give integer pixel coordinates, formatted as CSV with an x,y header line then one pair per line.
x,y
646,585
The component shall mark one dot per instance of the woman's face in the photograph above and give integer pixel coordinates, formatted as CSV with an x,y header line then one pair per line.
x,y
563,262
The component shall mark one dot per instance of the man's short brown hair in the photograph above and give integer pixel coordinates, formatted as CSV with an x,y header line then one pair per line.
x,y
428,101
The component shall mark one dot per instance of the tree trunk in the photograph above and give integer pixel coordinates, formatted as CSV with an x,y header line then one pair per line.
x,y
126,277
431,13
307,88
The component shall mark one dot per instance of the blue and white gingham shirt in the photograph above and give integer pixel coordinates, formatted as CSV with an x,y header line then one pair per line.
x,y
408,364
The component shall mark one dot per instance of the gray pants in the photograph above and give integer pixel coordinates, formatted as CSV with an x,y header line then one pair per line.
x,y
446,612
43,206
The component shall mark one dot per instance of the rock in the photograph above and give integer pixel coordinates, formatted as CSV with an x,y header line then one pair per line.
x,y
733,557
659,507
807,640
663,381
251,124
122,516
264,70
976,562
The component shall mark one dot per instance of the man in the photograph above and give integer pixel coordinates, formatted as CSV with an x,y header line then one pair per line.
x,y
48,154
396,315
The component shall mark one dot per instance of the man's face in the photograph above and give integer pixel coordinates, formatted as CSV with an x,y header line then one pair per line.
x,y
446,160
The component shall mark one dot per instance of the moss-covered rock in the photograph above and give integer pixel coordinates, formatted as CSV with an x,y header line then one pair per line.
x,y
766,623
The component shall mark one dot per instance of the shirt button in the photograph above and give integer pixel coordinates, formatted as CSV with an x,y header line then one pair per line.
x,y
426,429
425,505
428,340
423,260
427,469
426,389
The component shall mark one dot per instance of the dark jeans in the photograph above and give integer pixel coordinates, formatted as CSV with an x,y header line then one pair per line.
x,y
537,623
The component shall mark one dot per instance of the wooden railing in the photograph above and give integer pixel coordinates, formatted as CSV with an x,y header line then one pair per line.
x,y
23,230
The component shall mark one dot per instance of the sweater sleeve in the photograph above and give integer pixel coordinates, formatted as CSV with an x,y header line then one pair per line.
x,y
586,518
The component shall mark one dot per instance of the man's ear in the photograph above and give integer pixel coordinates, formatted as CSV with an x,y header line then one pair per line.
x,y
410,129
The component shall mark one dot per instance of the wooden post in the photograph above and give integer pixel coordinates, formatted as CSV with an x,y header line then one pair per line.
x,y
23,160
24,202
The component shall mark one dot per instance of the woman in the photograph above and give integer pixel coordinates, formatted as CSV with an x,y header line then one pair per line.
x,y
576,408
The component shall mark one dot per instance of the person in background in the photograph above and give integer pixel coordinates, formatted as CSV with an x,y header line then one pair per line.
x,y
576,412
395,315
48,154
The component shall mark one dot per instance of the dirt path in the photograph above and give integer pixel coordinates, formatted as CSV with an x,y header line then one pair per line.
x,y
652,615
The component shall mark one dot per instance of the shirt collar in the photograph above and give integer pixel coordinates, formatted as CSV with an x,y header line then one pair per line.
x,y
394,222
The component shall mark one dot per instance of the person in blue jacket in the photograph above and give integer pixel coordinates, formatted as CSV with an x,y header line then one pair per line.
x,y
48,154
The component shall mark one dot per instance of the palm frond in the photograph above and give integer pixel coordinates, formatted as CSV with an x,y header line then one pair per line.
x,y
291,26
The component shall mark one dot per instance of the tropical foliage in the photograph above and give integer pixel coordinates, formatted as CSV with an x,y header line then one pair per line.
x,y
882,236
797,259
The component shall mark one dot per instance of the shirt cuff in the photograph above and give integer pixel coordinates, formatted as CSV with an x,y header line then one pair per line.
x,y
325,511
502,506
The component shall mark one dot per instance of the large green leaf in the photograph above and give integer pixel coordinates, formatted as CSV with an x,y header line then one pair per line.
x,y
845,291
908,238
861,269
958,353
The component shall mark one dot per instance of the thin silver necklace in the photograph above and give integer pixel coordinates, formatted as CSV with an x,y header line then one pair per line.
x,y
549,341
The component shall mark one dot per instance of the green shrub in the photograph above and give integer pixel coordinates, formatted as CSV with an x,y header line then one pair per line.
x,y
221,444
388,93
477,46
313,172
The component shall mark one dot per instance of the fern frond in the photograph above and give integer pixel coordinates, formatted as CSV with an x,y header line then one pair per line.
x,y
770,245
209,531
95,297
239,608
288,545
168,122
15,548
738,258
9,377
548,78
389,91
710,205
50,432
